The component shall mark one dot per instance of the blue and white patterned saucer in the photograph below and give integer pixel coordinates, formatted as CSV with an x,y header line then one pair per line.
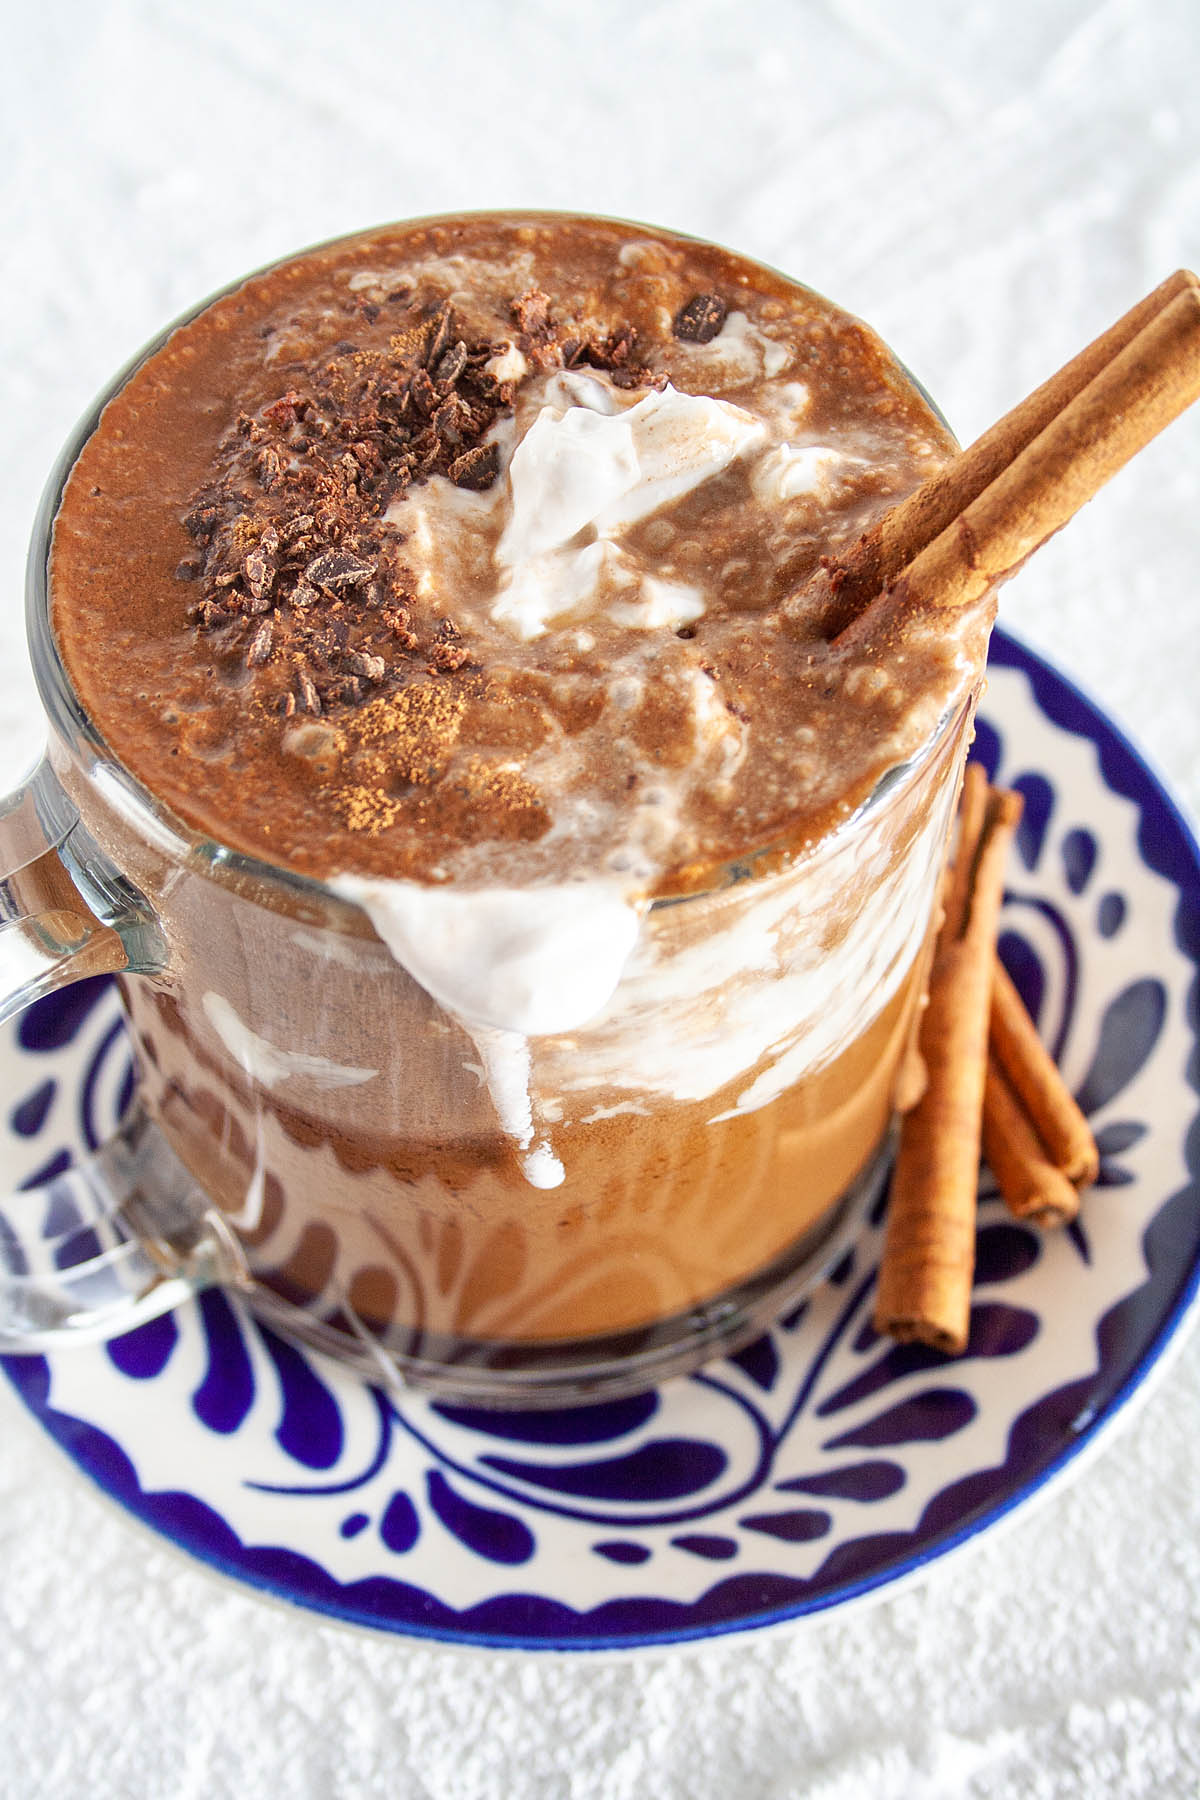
x,y
817,1465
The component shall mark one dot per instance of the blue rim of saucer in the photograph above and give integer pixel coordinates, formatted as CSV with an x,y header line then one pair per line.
x,y
1044,1442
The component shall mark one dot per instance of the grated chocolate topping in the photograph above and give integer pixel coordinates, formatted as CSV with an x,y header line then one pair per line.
x,y
294,561
699,321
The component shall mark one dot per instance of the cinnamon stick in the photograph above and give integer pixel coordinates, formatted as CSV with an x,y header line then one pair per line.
x,y
1145,387
1033,1076
972,820
1127,403
904,531
1033,1187
929,1248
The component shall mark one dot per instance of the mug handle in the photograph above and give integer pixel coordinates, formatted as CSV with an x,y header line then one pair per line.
x,y
126,1233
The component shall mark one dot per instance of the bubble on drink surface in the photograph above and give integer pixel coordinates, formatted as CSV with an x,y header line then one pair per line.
x,y
625,692
318,743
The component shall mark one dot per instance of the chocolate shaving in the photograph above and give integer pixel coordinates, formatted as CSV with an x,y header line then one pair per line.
x,y
452,419
203,519
451,365
422,393
310,700
286,409
371,668
259,648
699,321
616,354
447,659
259,573
441,337
476,468
531,313
335,570
269,466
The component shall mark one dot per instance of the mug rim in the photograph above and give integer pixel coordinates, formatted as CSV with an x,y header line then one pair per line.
x,y
75,727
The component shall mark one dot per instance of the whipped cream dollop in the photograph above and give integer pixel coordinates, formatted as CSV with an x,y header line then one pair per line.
x,y
793,470
597,461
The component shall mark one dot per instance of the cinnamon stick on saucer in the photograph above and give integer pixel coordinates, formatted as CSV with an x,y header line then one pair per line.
x,y
924,1289
1034,1078
1033,1187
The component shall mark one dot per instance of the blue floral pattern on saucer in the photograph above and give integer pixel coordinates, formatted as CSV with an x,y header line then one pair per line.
x,y
821,1462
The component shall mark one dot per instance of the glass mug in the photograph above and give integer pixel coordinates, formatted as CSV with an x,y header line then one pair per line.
x,y
311,1129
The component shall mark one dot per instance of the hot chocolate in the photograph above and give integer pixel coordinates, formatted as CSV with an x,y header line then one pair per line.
x,y
483,572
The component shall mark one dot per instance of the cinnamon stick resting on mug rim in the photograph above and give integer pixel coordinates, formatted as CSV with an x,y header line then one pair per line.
x,y
883,551
924,1291
985,534
964,532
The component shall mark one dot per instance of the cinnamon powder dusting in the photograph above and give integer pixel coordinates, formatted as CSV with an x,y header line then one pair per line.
x,y
396,742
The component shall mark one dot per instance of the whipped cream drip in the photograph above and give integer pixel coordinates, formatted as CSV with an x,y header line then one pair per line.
x,y
506,1067
788,972
507,965
760,994
268,1064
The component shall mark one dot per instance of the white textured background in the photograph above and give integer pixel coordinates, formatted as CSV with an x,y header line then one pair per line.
x,y
990,182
